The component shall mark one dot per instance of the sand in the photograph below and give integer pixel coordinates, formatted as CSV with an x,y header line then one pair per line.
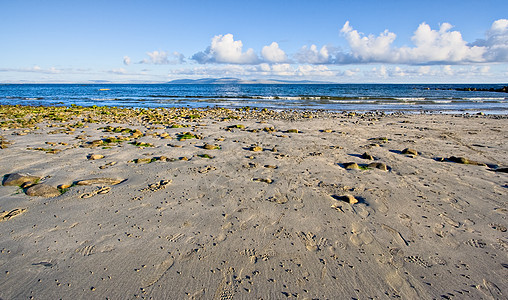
x,y
267,210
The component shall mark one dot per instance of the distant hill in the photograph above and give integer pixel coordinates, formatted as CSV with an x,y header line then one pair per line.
x,y
241,81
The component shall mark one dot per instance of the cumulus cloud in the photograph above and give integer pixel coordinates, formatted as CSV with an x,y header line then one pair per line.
x,y
311,55
224,49
162,58
368,48
126,60
496,42
431,47
274,54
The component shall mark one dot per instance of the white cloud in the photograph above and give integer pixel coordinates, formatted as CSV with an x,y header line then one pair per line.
x,y
431,47
310,70
369,48
119,71
311,55
224,49
274,54
496,42
126,60
162,58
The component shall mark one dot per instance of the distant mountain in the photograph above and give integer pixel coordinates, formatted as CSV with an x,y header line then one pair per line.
x,y
241,81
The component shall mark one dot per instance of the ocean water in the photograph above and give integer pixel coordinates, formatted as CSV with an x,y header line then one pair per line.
x,y
338,97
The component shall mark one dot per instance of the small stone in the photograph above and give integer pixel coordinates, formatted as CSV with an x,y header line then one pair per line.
x,y
351,166
109,181
463,160
327,131
270,167
348,198
145,160
256,149
64,186
380,166
367,156
42,190
95,156
409,151
184,158
292,131
210,147
265,180
18,179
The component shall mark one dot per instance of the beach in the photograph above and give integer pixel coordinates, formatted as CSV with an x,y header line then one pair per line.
x,y
112,203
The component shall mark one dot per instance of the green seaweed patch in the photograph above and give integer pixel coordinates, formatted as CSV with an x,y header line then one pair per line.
x,y
186,136
47,150
192,117
141,144
206,156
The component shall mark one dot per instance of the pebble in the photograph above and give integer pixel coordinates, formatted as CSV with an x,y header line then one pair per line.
x,y
95,156
210,147
351,166
367,156
256,149
380,166
409,151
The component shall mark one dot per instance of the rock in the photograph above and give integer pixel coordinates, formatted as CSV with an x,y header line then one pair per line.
x,y
265,180
327,130
105,180
210,147
19,179
95,156
42,190
348,198
64,186
144,160
292,131
256,149
502,170
409,151
380,166
367,156
351,166
463,160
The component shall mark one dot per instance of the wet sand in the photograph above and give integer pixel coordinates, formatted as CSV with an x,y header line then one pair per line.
x,y
223,204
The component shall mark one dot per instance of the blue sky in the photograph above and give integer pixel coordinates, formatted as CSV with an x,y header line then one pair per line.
x,y
337,41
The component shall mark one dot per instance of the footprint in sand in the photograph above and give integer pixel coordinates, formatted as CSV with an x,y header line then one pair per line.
x,y
159,271
101,190
6,215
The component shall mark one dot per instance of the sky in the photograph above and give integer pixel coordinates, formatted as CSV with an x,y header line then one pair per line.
x,y
349,41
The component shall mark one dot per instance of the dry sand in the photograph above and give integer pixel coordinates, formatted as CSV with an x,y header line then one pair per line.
x,y
240,222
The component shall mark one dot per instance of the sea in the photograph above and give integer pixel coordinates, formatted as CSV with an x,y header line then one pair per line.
x,y
389,98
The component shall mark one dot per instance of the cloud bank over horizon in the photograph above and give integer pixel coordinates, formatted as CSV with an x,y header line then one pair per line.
x,y
441,46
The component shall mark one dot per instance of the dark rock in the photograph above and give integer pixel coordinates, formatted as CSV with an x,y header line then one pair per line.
x,y
380,166
367,156
409,151
42,190
18,179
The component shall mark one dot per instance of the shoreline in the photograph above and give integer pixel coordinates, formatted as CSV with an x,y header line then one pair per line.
x,y
228,203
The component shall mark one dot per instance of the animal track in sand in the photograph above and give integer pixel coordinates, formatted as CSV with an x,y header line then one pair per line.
x,y
175,238
101,190
153,187
417,260
490,289
475,243
86,250
498,227
310,241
